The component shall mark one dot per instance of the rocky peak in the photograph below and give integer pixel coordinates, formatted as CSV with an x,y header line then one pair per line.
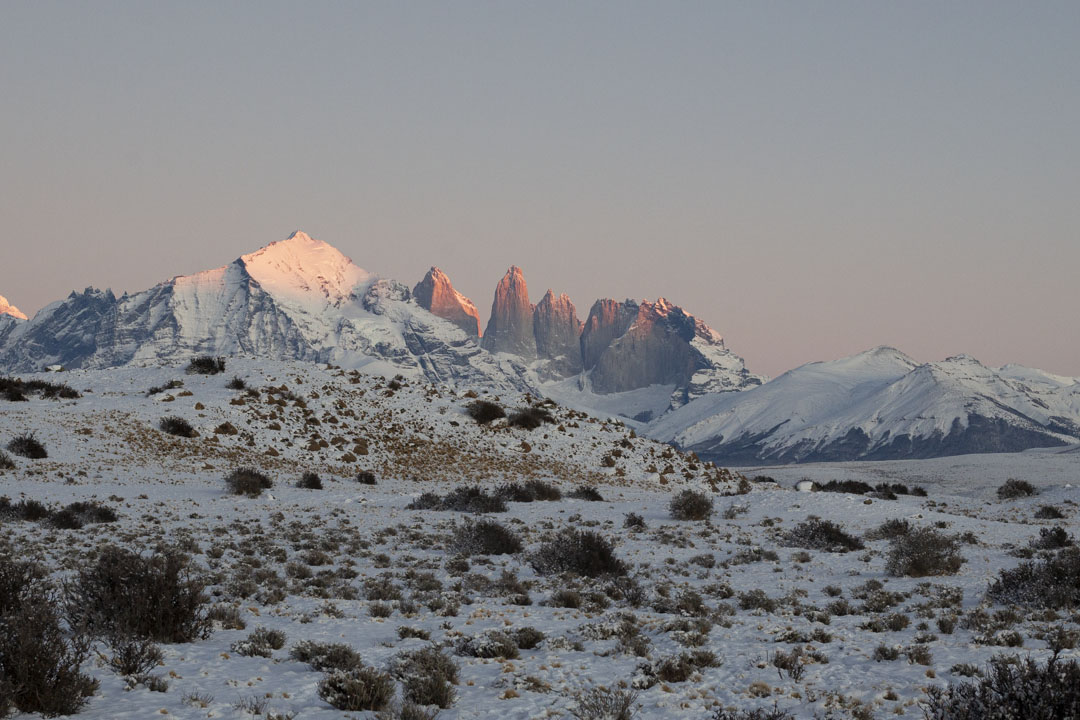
x,y
435,294
305,270
7,308
608,320
557,330
510,327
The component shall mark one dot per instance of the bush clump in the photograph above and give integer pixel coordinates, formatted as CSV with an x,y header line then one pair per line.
x,y
1013,488
6,463
125,594
818,534
923,552
28,446
463,499
77,514
174,425
600,703
428,676
40,661
1052,583
485,537
588,493
259,643
889,529
854,487
363,688
691,505
134,656
16,390
247,481
366,477
237,383
326,656
484,411
489,644
1011,687
310,481
582,552
1049,512
530,418
529,491
206,365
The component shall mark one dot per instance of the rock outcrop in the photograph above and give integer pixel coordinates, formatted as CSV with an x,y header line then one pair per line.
x,y
436,295
608,319
510,327
557,330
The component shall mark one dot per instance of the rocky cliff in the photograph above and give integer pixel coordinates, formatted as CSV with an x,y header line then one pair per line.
x,y
435,294
510,327
557,330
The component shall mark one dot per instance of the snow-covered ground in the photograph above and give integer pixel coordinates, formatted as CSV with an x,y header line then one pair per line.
x,y
693,576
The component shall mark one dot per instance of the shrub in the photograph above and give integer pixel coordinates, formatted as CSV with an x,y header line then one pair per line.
x,y
78,514
310,481
247,481
134,656
530,491
588,493
485,537
756,600
691,505
6,463
463,499
889,529
582,552
923,552
633,521
260,643
363,688
206,365
1052,583
528,638
530,418
16,390
484,411
40,662
428,676
600,703
1013,488
366,477
1053,538
818,534
237,383
489,644
1049,512
1011,688
756,714
27,446
126,594
178,426
854,487
326,656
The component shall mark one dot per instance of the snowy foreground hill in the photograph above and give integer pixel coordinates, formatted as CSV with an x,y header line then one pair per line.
x,y
759,603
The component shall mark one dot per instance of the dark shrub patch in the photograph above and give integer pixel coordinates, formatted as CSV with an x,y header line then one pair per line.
x,y
29,510
582,552
1012,488
485,537
6,463
463,499
818,534
923,552
366,477
178,426
428,676
27,446
310,481
134,656
484,411
39,660
206,365
889,529
126,594
530,418
530,491
633,521
171,385
16,390
237,383
1053,538
78,514
773,713
247,481
528,638
691,505
363,688
326,656
1052,583
587,492
854,487
1049,512
1011,688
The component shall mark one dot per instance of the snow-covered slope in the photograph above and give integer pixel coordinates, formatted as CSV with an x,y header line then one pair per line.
x,y
880,404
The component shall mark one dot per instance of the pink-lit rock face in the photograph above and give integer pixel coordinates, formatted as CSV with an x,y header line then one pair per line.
x,y
558,334
510,328
435,294
7,308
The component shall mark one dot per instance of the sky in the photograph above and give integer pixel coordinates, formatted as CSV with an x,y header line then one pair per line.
x,y
810,179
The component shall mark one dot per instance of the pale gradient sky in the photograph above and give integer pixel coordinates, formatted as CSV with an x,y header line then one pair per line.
x,y
810,178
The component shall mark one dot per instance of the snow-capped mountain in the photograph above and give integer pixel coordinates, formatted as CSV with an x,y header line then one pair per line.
x,y
302,299
298,298
880,404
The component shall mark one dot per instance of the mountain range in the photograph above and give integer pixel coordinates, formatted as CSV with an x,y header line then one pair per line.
x,y
651,363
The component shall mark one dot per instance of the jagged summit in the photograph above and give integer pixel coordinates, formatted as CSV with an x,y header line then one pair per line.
x,y
7,308
510,327
437,295
303,268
